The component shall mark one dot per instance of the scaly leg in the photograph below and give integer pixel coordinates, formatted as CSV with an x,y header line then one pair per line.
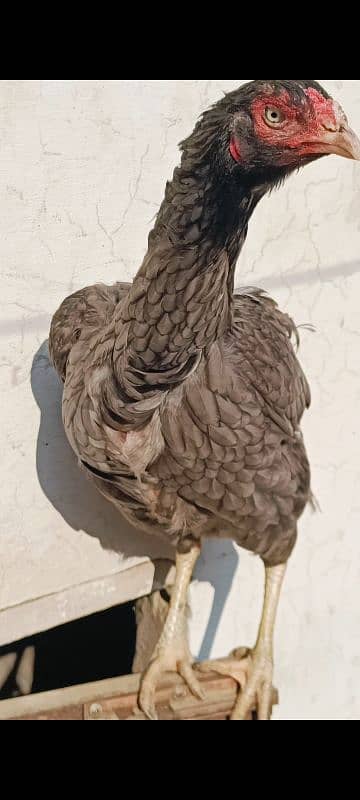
x,y
172,653
253,670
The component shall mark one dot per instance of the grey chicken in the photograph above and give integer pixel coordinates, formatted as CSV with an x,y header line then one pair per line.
x,y
183,400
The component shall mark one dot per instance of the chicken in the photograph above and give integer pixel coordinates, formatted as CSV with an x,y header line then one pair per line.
x,y
182,400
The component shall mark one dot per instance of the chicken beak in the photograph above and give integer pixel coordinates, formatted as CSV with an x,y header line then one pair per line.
x,y
343,142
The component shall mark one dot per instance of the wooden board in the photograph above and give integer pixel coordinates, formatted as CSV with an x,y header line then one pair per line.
x,y
116,700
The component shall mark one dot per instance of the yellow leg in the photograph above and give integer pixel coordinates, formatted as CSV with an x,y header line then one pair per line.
x,y
172,653
253,670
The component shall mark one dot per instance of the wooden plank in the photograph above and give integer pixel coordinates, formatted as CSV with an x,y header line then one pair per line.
x,y
76,602
117,700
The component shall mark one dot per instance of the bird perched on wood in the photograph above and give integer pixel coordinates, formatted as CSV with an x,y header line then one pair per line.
x,y
183,400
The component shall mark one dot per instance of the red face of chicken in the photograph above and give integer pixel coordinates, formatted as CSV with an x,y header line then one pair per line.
x,y
288,129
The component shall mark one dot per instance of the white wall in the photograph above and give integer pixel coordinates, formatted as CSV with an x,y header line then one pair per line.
x,y
82,171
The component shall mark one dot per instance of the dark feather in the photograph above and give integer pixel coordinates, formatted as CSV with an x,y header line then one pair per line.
x,y
182,400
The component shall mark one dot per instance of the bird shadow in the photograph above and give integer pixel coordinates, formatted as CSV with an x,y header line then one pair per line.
x,y
74,497
217,566
67,487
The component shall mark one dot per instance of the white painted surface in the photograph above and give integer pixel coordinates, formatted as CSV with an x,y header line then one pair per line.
x,y
82,172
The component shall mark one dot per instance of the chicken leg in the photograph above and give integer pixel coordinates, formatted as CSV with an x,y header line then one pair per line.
x,y
172,654
253,670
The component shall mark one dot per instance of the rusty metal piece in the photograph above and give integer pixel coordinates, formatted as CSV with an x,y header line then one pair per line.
x,y
96,713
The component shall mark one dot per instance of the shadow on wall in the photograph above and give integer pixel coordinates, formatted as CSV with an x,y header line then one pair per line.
x,y
310,277
66,485
84,509
218,565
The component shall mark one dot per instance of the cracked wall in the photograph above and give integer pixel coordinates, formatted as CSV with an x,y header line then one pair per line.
x,y
83,166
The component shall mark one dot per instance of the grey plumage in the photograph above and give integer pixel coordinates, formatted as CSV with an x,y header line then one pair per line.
x,y
182,400
219,454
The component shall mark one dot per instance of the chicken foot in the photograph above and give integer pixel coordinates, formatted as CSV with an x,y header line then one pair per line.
x,y
172,653
253,670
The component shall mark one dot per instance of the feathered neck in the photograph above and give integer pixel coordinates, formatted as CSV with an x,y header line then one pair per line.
x,y
207,206
182,297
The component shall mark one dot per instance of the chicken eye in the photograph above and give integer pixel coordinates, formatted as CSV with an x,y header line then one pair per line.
x,y
273,116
